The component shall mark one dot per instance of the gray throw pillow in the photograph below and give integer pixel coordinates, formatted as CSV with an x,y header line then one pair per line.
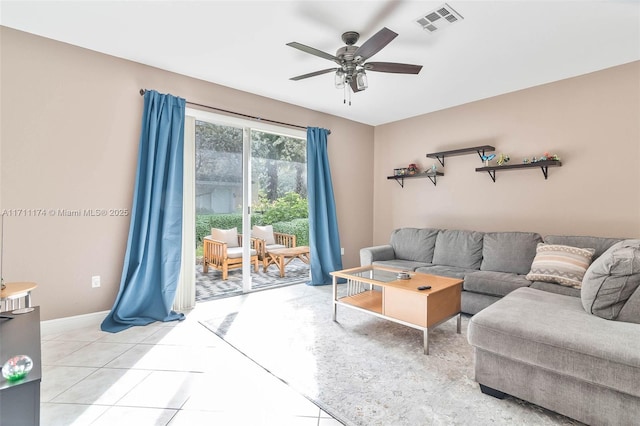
x,y
611,280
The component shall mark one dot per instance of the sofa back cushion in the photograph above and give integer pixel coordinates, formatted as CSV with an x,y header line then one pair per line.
x,y
613,281
509,251
415,244
458,248
229,236
599,244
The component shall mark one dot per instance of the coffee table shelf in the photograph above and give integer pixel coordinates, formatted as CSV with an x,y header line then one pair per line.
x,y
370,300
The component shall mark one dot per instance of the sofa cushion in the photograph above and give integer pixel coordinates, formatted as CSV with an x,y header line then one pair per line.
x,y
458,248
599,244
415,244
264,233
229,236
560,264
405,265
553,332
446,271
556,288
509,251
236,252
493,283
612,279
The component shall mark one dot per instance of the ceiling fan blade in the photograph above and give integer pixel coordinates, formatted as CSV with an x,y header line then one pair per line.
x,y
313,51
392,67
374,45
387,10
313,74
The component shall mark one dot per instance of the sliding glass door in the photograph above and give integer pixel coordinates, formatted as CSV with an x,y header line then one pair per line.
x,y
244,174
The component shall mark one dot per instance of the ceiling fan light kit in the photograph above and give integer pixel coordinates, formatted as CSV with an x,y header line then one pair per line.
x,y
351,61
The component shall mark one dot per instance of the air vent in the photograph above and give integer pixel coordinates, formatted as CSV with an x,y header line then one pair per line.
x,y
439,18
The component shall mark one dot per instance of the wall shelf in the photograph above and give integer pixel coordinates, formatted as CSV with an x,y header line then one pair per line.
x,y
480,150
544,165
433,177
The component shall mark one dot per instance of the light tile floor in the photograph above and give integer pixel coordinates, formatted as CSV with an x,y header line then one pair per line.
x,y
175,373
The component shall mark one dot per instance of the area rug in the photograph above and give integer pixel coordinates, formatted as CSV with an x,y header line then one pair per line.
x,y
365,370
211,285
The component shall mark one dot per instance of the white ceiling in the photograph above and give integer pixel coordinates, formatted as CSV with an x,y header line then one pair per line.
x,y
499,47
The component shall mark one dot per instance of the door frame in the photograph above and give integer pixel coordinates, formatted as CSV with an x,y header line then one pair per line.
x,y
186,293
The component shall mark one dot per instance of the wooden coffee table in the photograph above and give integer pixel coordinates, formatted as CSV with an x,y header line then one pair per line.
x,y
377,291
282,257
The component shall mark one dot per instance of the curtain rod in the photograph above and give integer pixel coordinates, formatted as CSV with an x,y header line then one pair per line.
x,y
142,91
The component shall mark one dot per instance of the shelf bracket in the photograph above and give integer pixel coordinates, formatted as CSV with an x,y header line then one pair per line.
x,y
545,171
492,174
433,179
440,159
400,181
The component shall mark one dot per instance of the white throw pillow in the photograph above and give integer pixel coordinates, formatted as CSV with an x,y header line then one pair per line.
x,y
264,233
229,236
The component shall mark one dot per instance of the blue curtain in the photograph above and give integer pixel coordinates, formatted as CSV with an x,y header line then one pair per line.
x,y
152,260
324,240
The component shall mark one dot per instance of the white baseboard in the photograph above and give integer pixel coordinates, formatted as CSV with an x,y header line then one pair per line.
x,y
61,325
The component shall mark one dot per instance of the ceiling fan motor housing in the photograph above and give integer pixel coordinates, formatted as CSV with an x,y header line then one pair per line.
x,y
350,38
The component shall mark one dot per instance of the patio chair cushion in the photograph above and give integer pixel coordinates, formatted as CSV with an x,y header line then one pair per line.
x,y
264,233
236,252
274,246
229,236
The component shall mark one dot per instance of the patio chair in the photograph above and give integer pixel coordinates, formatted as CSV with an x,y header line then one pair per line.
x,y
264,239
223,251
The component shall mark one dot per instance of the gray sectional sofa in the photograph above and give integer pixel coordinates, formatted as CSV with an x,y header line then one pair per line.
x,y
492,264
572,350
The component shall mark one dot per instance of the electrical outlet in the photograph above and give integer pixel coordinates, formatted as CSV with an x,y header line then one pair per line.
x,y
95,281
342,251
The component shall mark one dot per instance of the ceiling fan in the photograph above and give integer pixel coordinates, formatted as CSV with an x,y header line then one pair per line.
x,y
351,60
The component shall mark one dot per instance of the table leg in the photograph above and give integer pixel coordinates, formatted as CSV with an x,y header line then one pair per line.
x,y
426,341
335,297
281,265
459,325
27,300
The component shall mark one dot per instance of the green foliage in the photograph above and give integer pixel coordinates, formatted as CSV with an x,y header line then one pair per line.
x,y
284,209
298,227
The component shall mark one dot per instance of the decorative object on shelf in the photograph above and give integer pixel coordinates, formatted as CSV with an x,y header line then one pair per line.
x,y
400,172
487,158
17,368
412,169
525,161
546,157
434,168
503,159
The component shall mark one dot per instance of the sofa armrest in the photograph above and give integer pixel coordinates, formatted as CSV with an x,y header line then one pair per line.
x,y
368,255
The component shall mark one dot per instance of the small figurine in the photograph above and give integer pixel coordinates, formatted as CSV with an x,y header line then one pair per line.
x,y
525,161
487,158
434,168
412,169
503,159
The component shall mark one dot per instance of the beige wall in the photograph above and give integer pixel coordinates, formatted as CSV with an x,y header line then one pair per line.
x,y
70,125
591,121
